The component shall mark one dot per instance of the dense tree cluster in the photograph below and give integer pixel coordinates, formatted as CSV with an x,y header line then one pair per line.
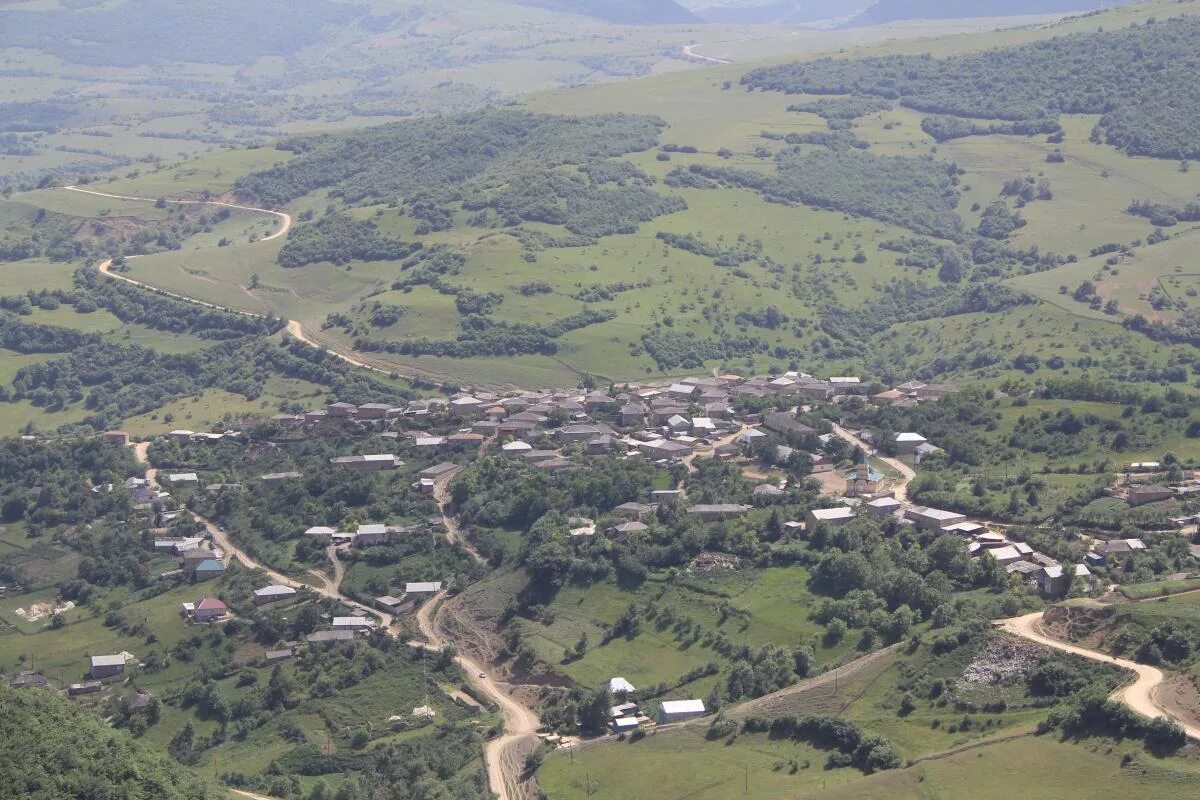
x,y
340,239
483,336
1140,79
52,485
399,160
67,752
915,193
851,745
843,108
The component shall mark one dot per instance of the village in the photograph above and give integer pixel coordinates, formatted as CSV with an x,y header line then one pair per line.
x,y
760,426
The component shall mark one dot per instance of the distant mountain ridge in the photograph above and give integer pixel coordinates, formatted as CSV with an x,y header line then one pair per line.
x,y
780,12
627,12
896,10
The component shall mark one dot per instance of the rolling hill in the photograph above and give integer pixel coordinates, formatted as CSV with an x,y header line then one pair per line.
x,y
630,12
884,11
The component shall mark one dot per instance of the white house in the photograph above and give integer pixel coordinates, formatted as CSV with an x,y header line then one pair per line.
x,y
679,710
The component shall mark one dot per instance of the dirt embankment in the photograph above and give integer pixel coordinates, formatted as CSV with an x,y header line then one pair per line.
x,y
1085,624
1180,697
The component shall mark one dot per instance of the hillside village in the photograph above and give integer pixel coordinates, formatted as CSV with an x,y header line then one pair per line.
x,y
778,432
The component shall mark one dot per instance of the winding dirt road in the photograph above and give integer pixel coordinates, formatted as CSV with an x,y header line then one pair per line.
x,y
689,51
504,756
1140,695
285,219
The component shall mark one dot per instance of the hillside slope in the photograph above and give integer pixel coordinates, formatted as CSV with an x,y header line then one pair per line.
x,y
53,750
630,12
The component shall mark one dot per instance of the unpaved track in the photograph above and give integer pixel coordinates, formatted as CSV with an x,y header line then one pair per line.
x,y
232,551
689,51
1140,695
504,756
900,487
294,328
285,219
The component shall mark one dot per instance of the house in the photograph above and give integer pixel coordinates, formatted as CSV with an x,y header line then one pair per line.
x,y
624,724
515,448
116,437
1144,466
422,589
273,594
321,532
814,391
820,463
438,471
863,481
181,436
1143,494
30,679
183,479
664,448
106,666
343,635
1053,581
767,492
209,569
883,506
965,529
466,702
632,415
933,519
393,605
633,510
679,710
925,450
633,526
936,391
785,424
620,686
829,516
600,445
370,534
666,496
276,656
1117,549
467,406
341,410
907,443
749,437
209,609
846,384
368,463
273,478
579,433
465,440
718,511
87,687
353,623
374,411
1006,555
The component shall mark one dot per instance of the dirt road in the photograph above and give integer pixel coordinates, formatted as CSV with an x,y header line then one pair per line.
x,y
1140,695
231,552
285,219
900,487
504,755
689,51
689,460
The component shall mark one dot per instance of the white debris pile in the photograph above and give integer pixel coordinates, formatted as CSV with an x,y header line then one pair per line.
x,y
1003,660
